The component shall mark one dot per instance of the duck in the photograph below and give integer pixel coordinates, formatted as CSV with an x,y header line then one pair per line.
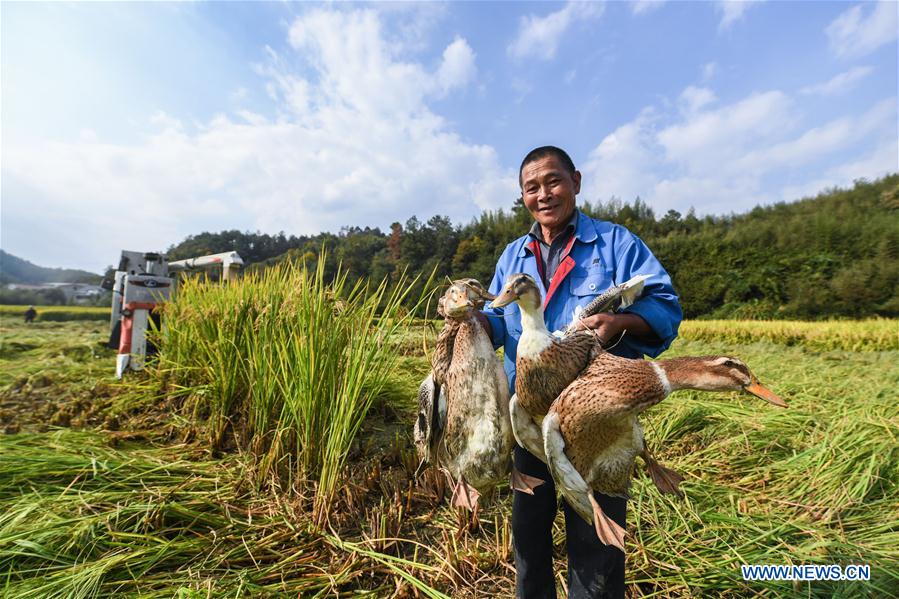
x,y
546,363
592,434
463,424
431,417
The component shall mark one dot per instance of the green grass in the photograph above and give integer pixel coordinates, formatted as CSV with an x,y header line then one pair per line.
x,y
816,483
55,313
813,484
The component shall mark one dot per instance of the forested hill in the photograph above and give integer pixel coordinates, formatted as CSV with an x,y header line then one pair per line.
x,y
833,255
16,270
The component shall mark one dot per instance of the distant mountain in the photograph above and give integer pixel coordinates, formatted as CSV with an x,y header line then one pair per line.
x,y
16,270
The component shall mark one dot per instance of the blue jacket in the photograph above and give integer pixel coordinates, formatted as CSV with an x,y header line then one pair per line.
x,y
599,255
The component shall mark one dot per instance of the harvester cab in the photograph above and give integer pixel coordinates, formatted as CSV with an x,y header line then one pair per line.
x,y
140,285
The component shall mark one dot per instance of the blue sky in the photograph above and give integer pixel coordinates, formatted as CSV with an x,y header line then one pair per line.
x,y
132,125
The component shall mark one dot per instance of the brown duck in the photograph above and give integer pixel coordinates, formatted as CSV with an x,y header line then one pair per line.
x,y
592,435
463,423
545,363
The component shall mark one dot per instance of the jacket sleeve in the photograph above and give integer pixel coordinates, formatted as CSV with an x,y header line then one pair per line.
x,y
659,305
495,315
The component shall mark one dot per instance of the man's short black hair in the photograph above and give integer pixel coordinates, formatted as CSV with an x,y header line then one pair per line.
x,y
543,152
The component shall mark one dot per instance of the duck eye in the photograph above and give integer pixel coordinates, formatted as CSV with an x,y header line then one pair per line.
x,y
731,364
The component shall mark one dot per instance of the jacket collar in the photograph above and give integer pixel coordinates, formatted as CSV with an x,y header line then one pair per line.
x,y
584,232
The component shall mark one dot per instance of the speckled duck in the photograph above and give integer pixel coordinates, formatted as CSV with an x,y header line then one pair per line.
x,y
592,435
563,389
545,363
472,440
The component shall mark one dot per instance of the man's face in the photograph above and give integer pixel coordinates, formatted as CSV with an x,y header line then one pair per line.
x,y
548,191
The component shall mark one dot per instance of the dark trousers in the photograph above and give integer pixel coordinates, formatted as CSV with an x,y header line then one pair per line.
x,y
595,570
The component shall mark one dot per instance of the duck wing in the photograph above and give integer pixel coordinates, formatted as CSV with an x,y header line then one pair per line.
x,y
568,480
615,298
541,378
430,420
526,431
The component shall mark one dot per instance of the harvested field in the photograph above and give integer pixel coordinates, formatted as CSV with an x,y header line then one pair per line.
x,y
129,497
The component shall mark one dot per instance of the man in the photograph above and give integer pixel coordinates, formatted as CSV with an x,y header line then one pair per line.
x,y
573,258
30,314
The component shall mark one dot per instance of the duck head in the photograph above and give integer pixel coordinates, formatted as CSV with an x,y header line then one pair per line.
x,y
461,296
519,288
723,373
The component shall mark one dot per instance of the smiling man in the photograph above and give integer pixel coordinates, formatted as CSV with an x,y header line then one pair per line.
x,y
574,258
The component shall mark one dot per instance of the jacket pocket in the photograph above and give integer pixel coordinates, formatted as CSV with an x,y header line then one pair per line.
x,y
591,284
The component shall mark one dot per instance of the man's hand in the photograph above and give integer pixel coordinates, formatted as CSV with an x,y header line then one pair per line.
x,y
608,326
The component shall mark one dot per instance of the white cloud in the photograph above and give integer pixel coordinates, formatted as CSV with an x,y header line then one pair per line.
x,y
709,195
852,35
722,135
839,83
821,141
624,163
538,37
882,160
458,66
732,11
354,142
731,157
708,70
695,98
642,7
522,88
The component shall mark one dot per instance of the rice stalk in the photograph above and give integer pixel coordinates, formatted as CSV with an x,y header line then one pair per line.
x,y
284,364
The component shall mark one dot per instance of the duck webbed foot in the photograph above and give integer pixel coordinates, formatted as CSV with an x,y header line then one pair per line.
x,y
465,496
665,479
525,482
608,531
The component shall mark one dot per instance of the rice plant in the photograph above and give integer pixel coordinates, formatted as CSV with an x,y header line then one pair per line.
x,y
284,364
88,514
56,313
873,334
79,518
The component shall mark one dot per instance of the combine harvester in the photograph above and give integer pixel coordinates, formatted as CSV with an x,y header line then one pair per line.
x,y
142,282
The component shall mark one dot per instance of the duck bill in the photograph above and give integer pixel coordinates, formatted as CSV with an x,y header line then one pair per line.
x,y
503,299
760,391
